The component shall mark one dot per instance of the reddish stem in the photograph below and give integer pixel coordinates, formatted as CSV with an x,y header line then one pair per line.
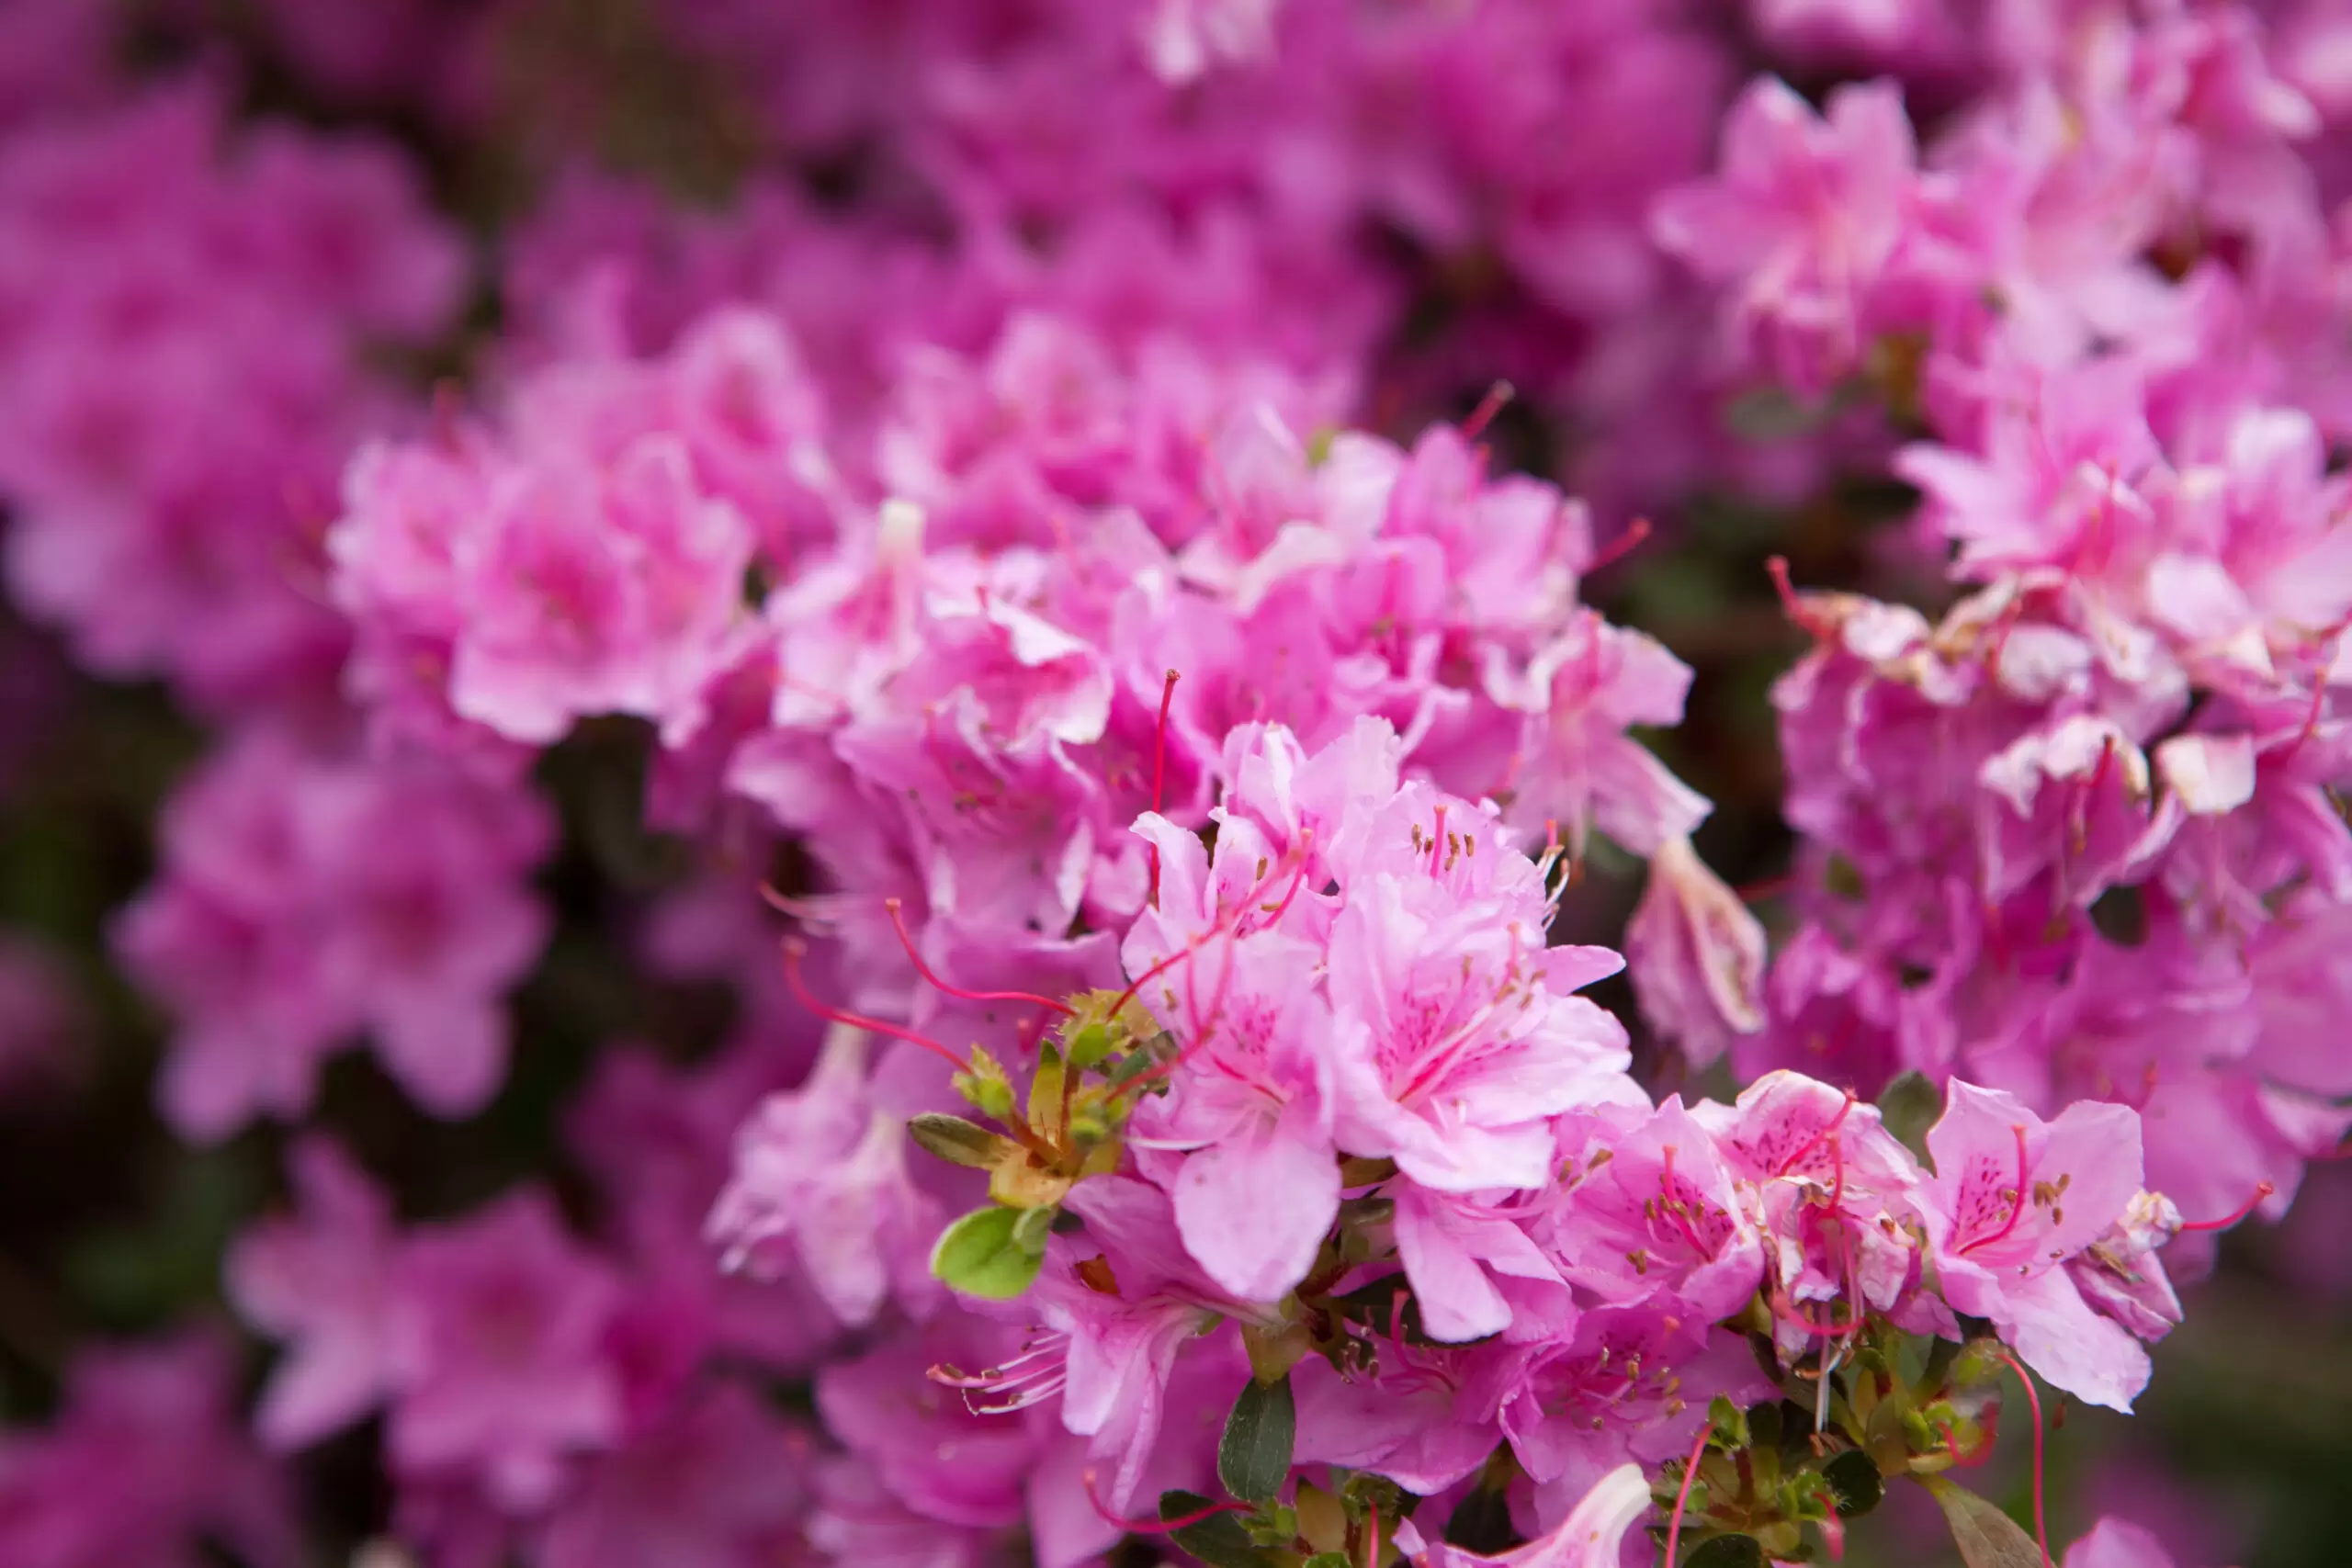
x,y
1797,610
1155,1526
793,949
2262,1189
1501,393
898,923
2033,1401
1682,1497
1637,534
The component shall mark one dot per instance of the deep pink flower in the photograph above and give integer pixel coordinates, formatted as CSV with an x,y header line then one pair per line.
x,y
723,1484
498,1332
2014,1199
145,1464
1661,1221
1804,218
821,1185
1589,1535
322,1281
2115,1543
1695,955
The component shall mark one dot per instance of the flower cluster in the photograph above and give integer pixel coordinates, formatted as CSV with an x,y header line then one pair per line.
x,y
2077,836
538,1393
1349,1135
184,318
960,700
307,901
148,1456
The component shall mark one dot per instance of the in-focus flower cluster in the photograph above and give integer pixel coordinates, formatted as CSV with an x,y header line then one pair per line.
x,y
1348,1136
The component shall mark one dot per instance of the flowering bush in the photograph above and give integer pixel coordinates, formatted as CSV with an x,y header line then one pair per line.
x,y
1019,730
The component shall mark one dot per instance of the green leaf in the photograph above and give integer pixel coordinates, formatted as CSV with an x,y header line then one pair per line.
x,y
1030,1231
1087,1046
1772,413
1842,878
1159,1048
1908,1107
1855,1477
957,1141
1253,1457
1218,1540
1727,1551
980,1255
1986,1537
1046,1088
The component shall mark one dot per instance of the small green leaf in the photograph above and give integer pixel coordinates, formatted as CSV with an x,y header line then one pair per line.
x,y
978,1255
1086,1046
1045,1088
1854,1477
1218,1540
1727,1551
1159,1048
1986,1537
1908,1107
1274,1524
1842,878
1030,1231
1773,413
1329,1560
1253,1459
957,1141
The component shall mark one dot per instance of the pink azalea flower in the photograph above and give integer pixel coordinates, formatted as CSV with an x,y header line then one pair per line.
x,y
306,899
2013,1200
1459,1033
2115,1543
498,1336
1661,1221
1577,766
1589,1535
1804,218
821,1181
1632,1383
722,1483
322,1283
145,1464
1695,955
1475,1269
